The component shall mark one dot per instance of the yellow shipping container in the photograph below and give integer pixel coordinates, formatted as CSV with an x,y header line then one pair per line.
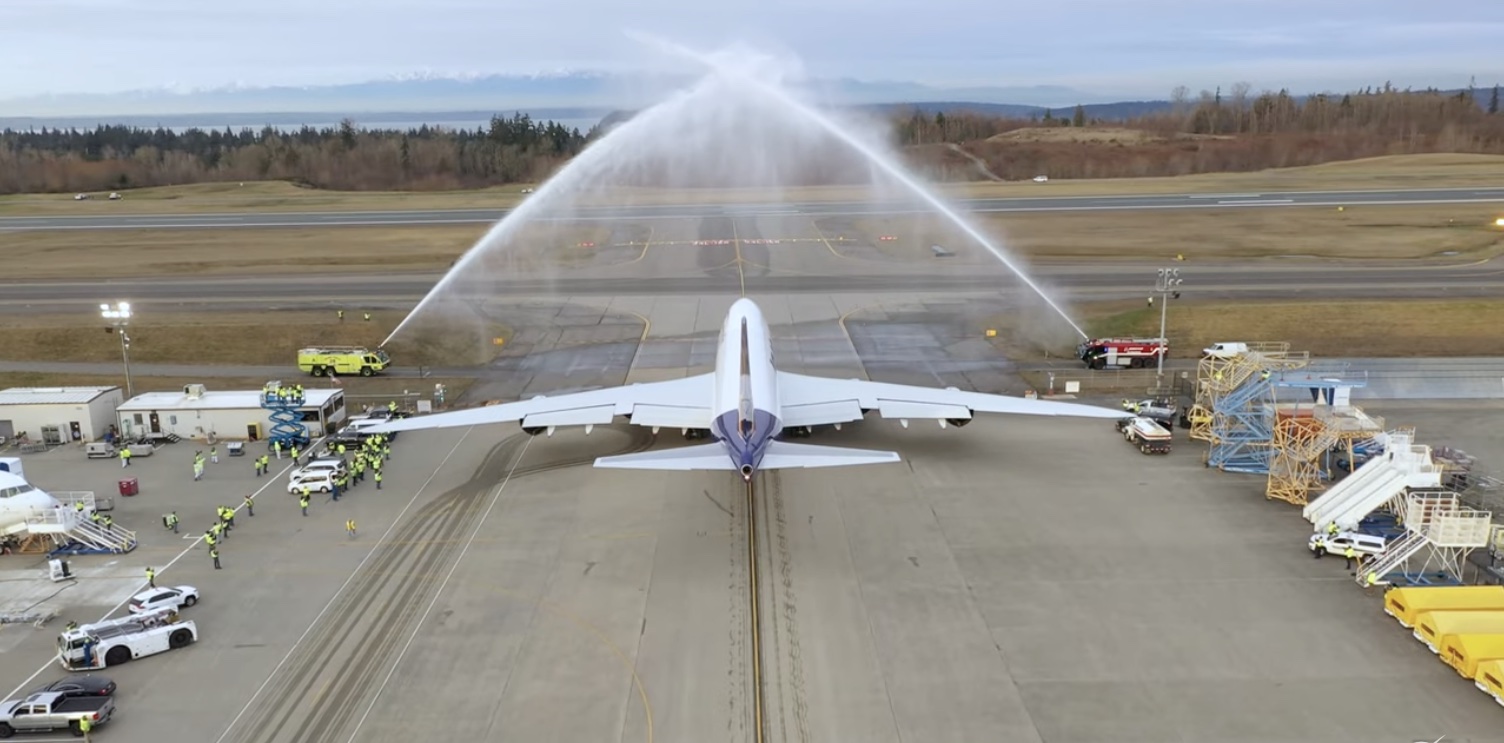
x,y
1407,604
1466,652
1433,626
1490,679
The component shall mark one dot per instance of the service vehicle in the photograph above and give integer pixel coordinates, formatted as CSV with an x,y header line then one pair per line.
x,y
1132,353
331,465
1225,350
152,599
116,641
1163,411
100,450
1148,436
82,685
347,360
316,482
1337,544
49,711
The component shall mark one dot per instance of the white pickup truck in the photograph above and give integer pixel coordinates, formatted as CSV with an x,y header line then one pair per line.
x,y
49,711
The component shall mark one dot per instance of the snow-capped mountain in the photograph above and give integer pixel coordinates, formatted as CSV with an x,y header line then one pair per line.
x,y
432,91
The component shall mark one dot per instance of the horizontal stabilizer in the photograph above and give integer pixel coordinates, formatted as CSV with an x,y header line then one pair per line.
x,y
702,457
783,455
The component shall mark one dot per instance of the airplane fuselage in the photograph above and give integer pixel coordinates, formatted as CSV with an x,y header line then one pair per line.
x,y
746,388
20,501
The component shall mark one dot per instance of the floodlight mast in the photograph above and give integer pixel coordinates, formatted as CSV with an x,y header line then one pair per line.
x,y
1167,285
120,317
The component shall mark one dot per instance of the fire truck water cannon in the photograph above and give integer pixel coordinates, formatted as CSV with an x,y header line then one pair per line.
x,y
1132,353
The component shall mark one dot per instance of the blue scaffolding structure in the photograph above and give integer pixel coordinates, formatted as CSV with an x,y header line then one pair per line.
x,y
287,420
1243,418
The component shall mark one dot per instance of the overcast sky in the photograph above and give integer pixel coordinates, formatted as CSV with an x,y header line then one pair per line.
x,y
1127,48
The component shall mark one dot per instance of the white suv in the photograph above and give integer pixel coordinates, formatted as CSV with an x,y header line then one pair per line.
x,y
316,482
174,598
335,465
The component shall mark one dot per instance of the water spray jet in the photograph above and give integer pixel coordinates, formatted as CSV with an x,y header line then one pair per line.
x,y
737,136
876,158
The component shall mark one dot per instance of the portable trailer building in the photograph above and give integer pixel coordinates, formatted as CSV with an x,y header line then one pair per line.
x,y
1434,626
1490,679
1406,604
58,415
197,412
1466,652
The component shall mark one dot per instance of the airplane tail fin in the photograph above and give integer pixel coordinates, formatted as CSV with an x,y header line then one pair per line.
x,y
783,455
702,457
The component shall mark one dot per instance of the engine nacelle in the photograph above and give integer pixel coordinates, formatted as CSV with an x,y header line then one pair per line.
x,y
534,430
958,422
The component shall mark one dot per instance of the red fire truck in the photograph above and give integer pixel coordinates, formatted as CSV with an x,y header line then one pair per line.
x,y
1100,353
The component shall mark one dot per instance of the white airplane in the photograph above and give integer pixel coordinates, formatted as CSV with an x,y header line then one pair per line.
x,y
20,501
745,404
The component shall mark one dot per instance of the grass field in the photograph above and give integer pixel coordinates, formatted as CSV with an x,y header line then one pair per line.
x,y
1399,232
1333,329
357,389
342,250
1396,172
250,339
1365,232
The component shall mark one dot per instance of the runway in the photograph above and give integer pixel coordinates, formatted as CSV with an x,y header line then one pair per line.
x,y
1069,280
245,220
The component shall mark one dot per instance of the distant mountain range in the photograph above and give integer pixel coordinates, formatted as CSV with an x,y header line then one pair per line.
x,y
579,98
416,99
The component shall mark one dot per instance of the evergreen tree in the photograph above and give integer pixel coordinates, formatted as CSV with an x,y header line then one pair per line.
x,y
1079,117
1493,101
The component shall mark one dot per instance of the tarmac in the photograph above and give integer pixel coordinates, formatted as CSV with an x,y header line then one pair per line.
x,y
1019,579
979,590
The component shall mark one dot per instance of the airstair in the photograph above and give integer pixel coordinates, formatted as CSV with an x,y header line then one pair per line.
x,y
73,532
287,420
1436,522
1380,480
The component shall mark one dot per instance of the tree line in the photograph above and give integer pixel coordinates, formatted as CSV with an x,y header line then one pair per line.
x,y
1214,132
508,150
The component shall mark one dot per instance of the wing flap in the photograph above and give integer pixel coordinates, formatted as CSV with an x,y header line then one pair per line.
x,y
702,457
905,409
671,416
597,415
783,455
821,413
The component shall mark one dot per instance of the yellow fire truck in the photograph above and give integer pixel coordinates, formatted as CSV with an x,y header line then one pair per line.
x,y
346,360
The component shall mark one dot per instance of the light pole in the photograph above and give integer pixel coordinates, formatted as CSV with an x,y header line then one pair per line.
x,y
1166,286
120,316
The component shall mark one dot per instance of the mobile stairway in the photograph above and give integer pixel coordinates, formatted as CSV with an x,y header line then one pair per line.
x,y
73,532
287,420
1380,480
1437,522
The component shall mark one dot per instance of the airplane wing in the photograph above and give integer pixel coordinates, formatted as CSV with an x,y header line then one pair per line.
x,y
675,403
814,401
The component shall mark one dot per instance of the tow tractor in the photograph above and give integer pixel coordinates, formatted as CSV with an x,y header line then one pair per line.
x,y
1132,353
1147,434
116,641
